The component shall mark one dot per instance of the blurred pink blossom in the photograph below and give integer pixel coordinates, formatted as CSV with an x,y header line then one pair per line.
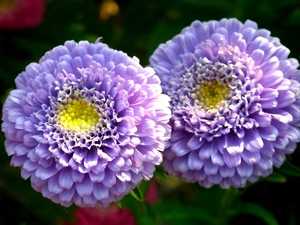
x,y
21,14
151,195
113,215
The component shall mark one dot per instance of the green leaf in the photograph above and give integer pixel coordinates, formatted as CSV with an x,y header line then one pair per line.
x,y
276,177
290,169
258,211
294,17
292,220
147,221
159,172
121,204
175,213
137,194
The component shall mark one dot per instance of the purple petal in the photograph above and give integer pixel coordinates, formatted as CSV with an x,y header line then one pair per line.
x,y
100,191
85,187
45,173
235,145
109,179
65,179
244,170
253,141
231,160
251,157
194,162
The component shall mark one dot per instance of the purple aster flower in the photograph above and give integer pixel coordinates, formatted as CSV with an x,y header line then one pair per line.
x,y
86,124
235,101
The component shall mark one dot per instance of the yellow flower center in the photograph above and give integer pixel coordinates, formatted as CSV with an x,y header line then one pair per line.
x,y
78,115
6,5
210,94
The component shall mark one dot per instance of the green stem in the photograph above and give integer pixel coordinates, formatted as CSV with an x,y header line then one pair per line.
x,y
229,198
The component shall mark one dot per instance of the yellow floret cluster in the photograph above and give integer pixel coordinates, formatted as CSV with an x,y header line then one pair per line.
x,y
78,115
210,93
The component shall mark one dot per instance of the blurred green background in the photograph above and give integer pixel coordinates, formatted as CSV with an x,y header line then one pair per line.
x,y
137,27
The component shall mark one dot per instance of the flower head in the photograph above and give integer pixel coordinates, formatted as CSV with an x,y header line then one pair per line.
x,y
235,101
86,124
18,14
112,215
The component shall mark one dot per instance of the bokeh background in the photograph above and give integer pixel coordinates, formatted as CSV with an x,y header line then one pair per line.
x,y
137,27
